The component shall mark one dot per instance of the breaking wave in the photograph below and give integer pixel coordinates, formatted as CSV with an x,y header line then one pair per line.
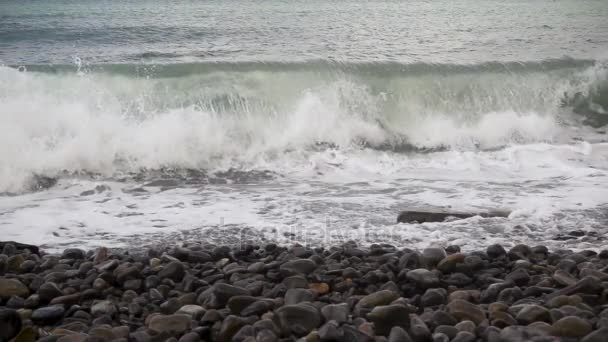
x,y
243,116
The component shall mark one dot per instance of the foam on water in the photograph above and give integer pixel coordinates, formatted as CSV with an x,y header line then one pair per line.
x,y
346,151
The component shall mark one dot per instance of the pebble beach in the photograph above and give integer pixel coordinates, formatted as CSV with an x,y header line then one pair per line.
x,y
301,293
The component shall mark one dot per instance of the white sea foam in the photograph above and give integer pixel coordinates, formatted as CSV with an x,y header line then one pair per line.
x,y
335,145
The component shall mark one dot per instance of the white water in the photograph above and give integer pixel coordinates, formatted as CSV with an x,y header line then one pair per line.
x,y
509,145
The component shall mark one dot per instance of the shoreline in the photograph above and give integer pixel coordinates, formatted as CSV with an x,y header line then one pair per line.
x,y
275,293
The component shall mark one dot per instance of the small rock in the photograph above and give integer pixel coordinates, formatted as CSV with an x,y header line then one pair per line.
x,y
10,324
331,331
464,310
229,328
104,307
464,336
466,326
433,297
495,251
12,287
449,263
398,334
443,318
195,312
423,278
169,323
299,318
521,333
367,303
419,331
48,315
320,288
571,326
295,296
190,337
236,304
223,292
335,312
563,278
432,256
174,270
303,266
387,316
73,253
533,313
596,336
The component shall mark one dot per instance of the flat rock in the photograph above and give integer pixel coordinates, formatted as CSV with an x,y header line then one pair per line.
x,y
440,215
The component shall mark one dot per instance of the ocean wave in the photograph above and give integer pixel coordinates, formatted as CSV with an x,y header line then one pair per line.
x,y
244,116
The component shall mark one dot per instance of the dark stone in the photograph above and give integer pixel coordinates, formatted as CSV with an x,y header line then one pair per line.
x,y
12,287
533,313
352,334
443,318
236,304
423,278
73,253
432,256
7,246
495,251
331,331
520,277
588,284
174,270
463,310
464,336
298,319
48,315
520,333
447,330
335,312
302,266
223,292
398,334
367,303
295,296
10,324
520,252
433,297
596,336
419,330
439,215
387,316
257,308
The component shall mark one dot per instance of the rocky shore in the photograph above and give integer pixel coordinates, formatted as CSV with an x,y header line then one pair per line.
x,y
273,293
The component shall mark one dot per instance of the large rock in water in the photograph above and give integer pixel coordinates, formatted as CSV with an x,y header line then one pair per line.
x,y
440,215
20,246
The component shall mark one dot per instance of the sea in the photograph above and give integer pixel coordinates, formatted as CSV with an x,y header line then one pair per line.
x,y
134,123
